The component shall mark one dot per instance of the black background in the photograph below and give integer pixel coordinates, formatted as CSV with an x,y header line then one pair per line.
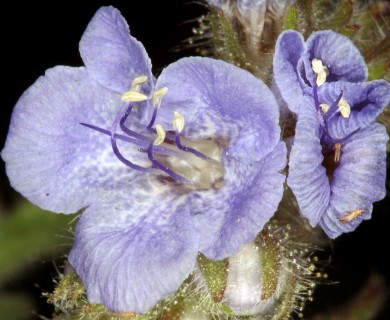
x,y
37,35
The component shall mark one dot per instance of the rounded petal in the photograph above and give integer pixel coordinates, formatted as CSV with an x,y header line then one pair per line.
x,y
240,209
359,180
339,54
307,177
111,55
50,157
219,99
367,101
289,48
135,249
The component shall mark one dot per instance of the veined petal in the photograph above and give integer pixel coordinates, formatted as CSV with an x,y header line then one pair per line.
x,y
358,181
307,177
289,48
135,249
50,157
238,211
339,54
232,104
367,101
111,55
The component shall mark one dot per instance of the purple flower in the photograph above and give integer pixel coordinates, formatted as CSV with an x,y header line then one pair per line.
x,y
337,164
151,198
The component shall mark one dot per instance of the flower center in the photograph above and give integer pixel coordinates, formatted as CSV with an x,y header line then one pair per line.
x,y
331,147
327,113
195,163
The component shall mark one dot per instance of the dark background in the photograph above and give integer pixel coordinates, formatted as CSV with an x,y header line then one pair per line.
x,y
38,35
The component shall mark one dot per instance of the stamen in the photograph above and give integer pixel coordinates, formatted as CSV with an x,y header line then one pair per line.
x,y
137,82
157,98
114,145
178,125
133,96
137,142
160,138
351,215
324,107
126,129
344,108
160,135
158,95
337,152
178,122
333,110
321,71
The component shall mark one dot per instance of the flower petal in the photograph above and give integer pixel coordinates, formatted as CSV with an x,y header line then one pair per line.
x,y
290,46
218,99
67,163
240,209
359,179
111,55
339,54
367,101
221,101
307,177
132,251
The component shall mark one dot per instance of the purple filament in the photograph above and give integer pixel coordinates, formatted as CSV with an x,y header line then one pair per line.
x,y
140,143
334,109
164,168
153,119
118,154
126,129
188,149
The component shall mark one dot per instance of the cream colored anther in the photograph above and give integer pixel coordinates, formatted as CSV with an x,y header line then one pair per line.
x,y
178,122
158,95
160,135
344,108
137,82
321,71
324,107
133,96
337,152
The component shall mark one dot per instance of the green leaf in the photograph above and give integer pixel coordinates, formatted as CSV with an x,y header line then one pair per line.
x,y
28,233
15,307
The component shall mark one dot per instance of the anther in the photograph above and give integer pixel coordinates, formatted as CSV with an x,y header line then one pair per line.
x,y
337,152
158,95
351,215
178,122
137,82
160,135
133,96
324,107
321,71
157,98
344,108
178,125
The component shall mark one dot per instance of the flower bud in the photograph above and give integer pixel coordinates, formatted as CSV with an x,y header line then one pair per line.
x,y
269,277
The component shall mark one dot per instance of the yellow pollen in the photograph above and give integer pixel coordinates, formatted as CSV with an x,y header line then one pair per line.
x,y
351,215
160,135
337,152
178,122
321,71
324,107
344,108
133,96
158,95
137,82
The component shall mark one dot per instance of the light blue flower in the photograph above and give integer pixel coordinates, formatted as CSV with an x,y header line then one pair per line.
x,y
337,165
93,139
